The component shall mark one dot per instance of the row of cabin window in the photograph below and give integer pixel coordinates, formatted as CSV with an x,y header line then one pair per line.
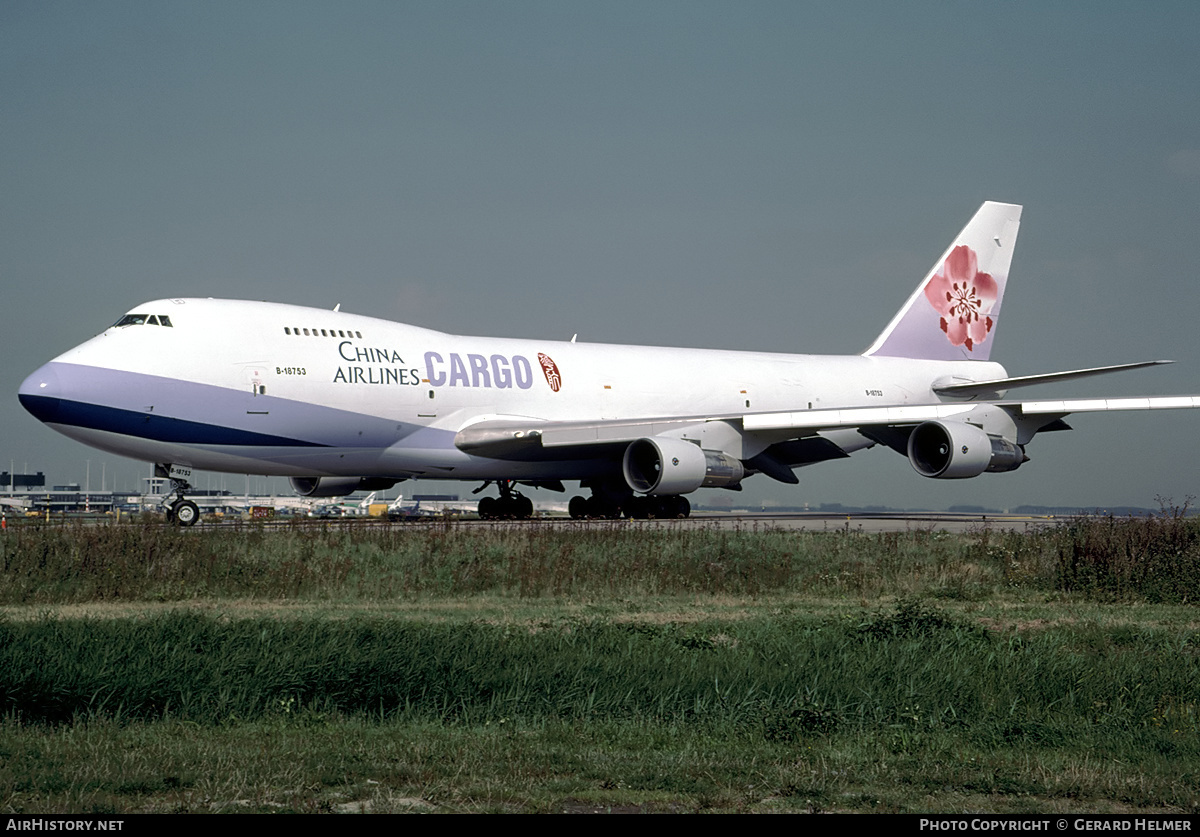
x,y
324,333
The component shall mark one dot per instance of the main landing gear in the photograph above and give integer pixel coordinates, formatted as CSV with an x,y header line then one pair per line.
x,y
180,511
595,507
607,502
510,505
667,507
608,505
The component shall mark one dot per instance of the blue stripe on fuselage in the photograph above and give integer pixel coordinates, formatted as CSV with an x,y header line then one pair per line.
x,y
148,426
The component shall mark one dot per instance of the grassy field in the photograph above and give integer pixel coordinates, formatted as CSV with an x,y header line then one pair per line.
x,y
600,667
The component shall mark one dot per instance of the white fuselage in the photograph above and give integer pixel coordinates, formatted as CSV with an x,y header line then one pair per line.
x,y
255,387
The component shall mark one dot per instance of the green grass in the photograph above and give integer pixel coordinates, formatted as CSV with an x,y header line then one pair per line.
x,y
57,564
463,668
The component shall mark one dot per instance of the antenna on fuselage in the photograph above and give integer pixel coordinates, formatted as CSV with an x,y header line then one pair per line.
x,y
336,307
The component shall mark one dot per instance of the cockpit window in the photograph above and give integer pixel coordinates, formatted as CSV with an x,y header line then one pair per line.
x,y
143,319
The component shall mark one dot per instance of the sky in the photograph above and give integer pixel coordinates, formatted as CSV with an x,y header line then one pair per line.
x,y
771,176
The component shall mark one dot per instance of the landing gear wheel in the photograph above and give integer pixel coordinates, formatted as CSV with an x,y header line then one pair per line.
x,y
601,508
522,507
183,513
510,505
676,507
639,508
578,508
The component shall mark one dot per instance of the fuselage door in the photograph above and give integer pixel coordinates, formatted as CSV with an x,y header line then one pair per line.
x,y
256,379
256,382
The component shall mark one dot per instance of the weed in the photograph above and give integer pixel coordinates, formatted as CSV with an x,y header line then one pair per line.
x,y
1155,558
912,618
789,725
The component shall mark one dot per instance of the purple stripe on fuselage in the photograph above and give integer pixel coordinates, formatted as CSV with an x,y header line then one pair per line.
x,y
169,409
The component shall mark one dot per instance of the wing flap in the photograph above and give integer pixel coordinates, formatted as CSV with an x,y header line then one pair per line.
x,y
560,435
854,417
511,439
1098,405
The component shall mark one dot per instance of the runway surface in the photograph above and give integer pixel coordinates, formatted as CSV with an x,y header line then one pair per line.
x,y
810,521
882,521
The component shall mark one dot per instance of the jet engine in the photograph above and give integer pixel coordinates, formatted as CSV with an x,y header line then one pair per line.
x,y
662,465
338,486
953,450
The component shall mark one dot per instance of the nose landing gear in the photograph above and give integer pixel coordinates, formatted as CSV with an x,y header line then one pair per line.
x,y
183,513
180,511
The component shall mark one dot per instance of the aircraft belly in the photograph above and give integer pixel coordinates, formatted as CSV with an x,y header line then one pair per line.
x,y
438,461
240,459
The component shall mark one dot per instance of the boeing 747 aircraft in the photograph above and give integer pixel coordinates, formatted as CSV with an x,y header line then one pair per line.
x,y
339,402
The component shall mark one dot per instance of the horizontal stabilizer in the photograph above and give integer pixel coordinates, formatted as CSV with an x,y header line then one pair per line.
x,y
990,388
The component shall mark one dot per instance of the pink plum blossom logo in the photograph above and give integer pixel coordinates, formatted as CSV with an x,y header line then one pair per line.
x,y
964,297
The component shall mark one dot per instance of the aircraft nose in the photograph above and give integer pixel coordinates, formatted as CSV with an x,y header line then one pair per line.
x,y
39,393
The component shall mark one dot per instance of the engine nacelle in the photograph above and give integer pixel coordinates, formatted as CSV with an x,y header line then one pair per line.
x,y
662,465
338,486
953,450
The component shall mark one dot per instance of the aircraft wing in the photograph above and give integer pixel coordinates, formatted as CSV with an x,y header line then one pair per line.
x,y
520,439
905,415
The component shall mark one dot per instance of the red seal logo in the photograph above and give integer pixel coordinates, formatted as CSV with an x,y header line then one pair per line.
x,y
550,370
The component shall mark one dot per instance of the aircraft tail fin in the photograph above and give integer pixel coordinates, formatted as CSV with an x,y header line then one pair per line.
x,y
953,313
